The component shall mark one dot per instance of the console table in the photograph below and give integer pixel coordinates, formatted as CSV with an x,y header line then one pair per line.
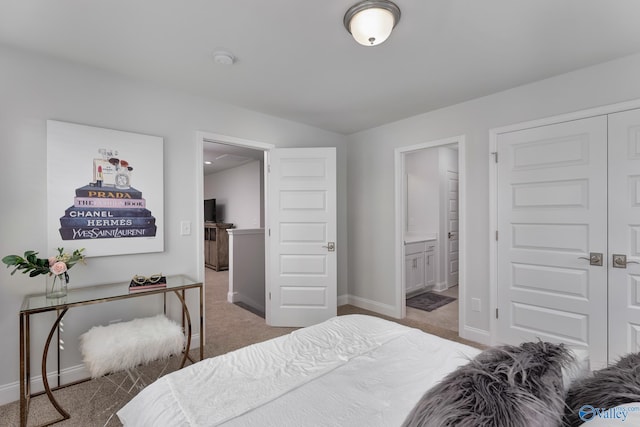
x,y
34,304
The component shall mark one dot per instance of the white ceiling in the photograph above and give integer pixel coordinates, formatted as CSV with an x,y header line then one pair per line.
x,y
223,156
295,60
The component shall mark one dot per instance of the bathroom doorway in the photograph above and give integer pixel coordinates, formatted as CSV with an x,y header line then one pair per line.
x,y
429,235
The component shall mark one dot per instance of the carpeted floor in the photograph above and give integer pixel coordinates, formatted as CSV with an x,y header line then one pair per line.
x,y
251,309
429,301
228,327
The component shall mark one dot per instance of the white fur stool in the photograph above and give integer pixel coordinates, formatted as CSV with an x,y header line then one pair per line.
x,y
125,345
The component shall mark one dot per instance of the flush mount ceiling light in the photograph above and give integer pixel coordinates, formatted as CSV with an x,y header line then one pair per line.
x,y
370,22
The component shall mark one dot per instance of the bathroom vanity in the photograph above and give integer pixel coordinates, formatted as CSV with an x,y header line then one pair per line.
x,y
420,257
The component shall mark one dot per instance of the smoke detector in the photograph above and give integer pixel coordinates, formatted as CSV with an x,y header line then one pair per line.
x,y
223,58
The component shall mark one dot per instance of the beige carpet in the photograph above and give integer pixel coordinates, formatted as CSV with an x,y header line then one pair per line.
x,y
228,327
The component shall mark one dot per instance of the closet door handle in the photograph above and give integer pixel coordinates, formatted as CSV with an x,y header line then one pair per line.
x,y
620,261
595,258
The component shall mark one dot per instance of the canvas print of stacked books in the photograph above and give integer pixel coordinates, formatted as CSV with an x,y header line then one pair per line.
x,y
108,207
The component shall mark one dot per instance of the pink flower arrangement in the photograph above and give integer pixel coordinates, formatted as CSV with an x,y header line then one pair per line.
x,y
56,265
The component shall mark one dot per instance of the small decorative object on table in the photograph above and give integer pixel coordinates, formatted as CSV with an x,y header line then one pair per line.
x,y
56,268
143,283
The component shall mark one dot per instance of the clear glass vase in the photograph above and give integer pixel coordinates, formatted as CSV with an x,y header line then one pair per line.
x,y
57,285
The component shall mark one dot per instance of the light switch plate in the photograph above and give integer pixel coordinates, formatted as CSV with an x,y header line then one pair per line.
x,y
185,228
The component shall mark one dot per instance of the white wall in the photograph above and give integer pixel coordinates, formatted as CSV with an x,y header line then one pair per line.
x,y
237,194
371,173
36,88
423,189
246,249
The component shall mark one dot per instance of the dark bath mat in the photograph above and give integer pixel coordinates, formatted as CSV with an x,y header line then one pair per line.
x,y
429,301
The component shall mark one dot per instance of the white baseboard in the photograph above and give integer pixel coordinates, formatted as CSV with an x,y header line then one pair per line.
x,y
232,297
375,306
476,335
11,392
343,300
195,341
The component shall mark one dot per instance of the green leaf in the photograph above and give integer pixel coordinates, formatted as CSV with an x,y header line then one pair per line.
x,y
11,260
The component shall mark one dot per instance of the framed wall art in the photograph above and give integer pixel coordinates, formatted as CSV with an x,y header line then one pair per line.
x,y
104,190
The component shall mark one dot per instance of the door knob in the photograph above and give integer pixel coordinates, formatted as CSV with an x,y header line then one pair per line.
x,y
595,258
620,261
331,246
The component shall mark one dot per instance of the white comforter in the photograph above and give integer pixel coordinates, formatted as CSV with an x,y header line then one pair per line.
x,y
348,371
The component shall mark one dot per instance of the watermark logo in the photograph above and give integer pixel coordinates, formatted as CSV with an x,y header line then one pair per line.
x,y
587,413
619,413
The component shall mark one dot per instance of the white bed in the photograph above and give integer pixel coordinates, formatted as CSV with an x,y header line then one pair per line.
x,y
348,371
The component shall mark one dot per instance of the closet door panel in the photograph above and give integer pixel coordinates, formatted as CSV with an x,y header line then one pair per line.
x,y
624,233
552,213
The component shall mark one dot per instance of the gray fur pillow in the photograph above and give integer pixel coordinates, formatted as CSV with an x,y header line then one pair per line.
x,y
606,388
507,386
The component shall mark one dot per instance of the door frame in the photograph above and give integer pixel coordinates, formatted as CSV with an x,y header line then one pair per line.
x,y
400,309
201,138
493,188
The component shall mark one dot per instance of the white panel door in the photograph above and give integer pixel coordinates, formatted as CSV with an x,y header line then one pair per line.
x,y
624,233
452,229
552,210
302,257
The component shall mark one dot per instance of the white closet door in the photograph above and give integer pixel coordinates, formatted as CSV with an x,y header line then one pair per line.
x,y
624,233
552,213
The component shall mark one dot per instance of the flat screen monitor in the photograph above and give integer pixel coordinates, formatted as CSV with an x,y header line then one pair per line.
x,y
210,210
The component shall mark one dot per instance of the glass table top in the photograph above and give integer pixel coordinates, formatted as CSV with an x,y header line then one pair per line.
x,y
94,294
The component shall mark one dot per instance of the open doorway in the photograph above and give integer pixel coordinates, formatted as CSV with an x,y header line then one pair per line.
x,y
300,182
233,217
430,233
